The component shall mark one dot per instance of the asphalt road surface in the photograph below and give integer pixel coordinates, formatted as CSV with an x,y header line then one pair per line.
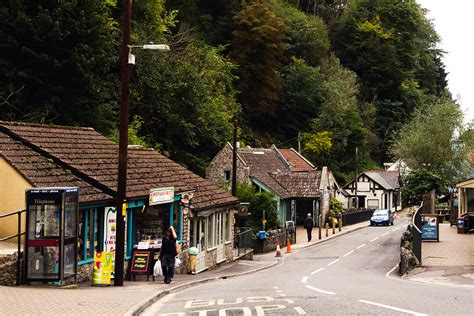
x,y
348,275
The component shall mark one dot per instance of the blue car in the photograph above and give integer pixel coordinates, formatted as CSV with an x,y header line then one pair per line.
x,y
381,217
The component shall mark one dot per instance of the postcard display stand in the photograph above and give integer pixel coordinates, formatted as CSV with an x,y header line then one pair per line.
x,y
51,234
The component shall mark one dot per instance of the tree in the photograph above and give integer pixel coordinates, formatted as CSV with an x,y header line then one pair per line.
x,y
259,202
257,47
431,140
419,182
391,46
59,57
186,101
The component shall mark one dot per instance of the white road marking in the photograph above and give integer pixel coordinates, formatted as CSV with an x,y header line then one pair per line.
x,y
282,295
319,270
395,229
303,280
348,253
393,308
363,245
385,234
319,290
275,287
333,262
388,273
374,239
279,291
289,301
299,310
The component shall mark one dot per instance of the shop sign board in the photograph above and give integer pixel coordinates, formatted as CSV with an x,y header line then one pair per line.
x,y
102,268
161,196
110,229
140,261
429,228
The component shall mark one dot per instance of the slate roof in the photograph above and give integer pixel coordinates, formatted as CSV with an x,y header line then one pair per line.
x,y
296,161
387,179
95,157
285,172
40,172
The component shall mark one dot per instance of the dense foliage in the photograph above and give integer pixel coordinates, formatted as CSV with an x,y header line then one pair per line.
x,y
419,182
342,74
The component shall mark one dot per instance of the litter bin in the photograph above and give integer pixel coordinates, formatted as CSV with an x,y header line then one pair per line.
x,y
192,252
462,225
262,235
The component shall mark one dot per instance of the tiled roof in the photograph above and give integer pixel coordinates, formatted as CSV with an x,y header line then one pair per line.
x,y
96,157
40,172
296,161
275,171
387,179
300,184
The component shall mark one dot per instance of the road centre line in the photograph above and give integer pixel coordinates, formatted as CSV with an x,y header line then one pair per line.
x,y
348,253
374,239
385,234
303,280
275,287
319,290
393,308
363,245
333,262
319,270
279,291
299,310
395,229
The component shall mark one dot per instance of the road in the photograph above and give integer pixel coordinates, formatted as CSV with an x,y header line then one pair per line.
x,y
348,275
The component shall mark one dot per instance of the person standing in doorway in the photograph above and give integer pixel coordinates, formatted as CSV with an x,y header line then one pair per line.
x,y
167,254
308,224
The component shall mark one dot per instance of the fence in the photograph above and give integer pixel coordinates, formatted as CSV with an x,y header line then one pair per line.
x,y
18,236
243,241
354,216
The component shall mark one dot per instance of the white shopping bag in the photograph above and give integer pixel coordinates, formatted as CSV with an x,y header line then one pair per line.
x,y
157,271
177,262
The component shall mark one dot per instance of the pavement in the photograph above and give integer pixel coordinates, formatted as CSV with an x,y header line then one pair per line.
x,y
134,297
449,262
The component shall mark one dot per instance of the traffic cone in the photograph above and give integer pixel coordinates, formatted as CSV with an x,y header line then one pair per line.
x,y
288,246
278,254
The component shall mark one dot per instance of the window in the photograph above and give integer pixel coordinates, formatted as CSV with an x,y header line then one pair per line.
x,y
90,233
226,175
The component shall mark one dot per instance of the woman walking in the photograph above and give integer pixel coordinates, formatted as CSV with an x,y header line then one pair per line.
x,y
167,254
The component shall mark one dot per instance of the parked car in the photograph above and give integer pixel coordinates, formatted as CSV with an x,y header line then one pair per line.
x,y
381,217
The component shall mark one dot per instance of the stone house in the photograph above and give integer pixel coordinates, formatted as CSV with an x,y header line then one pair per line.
x,y
375,189
33,155
299,187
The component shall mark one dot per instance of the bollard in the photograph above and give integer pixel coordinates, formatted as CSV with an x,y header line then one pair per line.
x,y
333,227
327,228
340,224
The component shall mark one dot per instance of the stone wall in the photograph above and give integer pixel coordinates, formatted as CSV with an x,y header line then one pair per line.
x,y
270,243
8,270
84,272
223,162
408,260
229,252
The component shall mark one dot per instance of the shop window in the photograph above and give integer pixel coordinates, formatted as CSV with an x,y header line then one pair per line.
x,y
90,233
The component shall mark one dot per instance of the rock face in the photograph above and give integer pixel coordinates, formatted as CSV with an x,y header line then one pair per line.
x,y
408,260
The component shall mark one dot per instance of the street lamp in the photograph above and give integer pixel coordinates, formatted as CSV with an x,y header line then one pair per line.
x,y
120,199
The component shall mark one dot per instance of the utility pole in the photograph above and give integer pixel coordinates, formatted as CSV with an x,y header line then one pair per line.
x,y
356,178
299,142
234,160
123,144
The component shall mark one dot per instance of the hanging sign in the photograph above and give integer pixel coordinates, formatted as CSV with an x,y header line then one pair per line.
x,y
161,196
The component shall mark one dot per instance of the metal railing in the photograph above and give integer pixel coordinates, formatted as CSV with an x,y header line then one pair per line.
x,y
18,236
416,232
243,241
